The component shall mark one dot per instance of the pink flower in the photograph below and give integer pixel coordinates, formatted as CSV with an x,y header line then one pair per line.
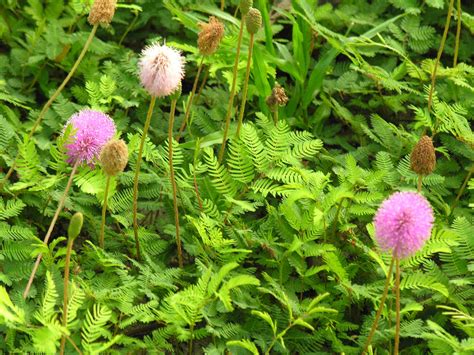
x,y
161,69
90,131
403,223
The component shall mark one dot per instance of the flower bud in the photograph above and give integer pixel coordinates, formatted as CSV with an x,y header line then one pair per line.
x,y
253,20
423,157
114,157
210,36
277,98
102,12
245,6
75,225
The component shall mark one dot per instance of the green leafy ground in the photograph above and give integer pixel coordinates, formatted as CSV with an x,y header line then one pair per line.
x,y
279,246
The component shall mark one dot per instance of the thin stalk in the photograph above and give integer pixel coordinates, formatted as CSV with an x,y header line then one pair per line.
x,y
196,189
461,190
173,182
379,311
50,230
203,84
222,5
137,173
52,98
438,56
104,212
246,85
66,290
275,116
397,306
336,218
419,184
232,91
458,34
190,100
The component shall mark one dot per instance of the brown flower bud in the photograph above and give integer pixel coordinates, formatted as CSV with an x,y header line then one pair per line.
x,y
423,157
277,98
245,6
102,12
253,20
114,157
210,36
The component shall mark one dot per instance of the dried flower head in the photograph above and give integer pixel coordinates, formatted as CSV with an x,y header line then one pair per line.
x,y
102,12
210,36
245,6
277,98
253,20
403,223
114,156
90,131
423,157
161,69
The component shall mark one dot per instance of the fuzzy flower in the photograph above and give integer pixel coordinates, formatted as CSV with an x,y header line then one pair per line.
x,y
102,11
161,69
114,157
90,131
403,223
210,36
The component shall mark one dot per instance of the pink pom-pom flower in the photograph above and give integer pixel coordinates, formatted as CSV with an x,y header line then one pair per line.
x,y
403,223
90,131
161,69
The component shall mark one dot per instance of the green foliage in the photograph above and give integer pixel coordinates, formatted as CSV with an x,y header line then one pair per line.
x,y
279,247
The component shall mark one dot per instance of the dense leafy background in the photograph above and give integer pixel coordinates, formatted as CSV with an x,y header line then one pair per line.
x,y
279,247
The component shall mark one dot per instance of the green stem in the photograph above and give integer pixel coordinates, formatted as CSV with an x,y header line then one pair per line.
x,y
246,85
379,311
336,218
397,306
52,98
66,290
190,100
232,91
438,56
222,5
203,84
275,116
461,190
173,181
137,173
104,212
50,229
419,185
458,34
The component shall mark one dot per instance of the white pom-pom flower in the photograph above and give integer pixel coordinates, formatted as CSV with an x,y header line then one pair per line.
x,y
161,69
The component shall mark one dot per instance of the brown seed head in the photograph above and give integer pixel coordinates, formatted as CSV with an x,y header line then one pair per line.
x,y
210,36
114,157
423,157
277,98
253,20
102,12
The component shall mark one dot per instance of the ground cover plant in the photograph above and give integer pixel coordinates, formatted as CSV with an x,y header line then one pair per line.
x,y
235,177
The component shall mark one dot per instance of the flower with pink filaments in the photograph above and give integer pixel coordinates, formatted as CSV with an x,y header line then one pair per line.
x,y
403,223
90,131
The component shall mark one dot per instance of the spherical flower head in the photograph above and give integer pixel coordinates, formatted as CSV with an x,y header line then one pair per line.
x,y
161,69
403,223
245,6
423,157
210,36
90,131
114,157
102,12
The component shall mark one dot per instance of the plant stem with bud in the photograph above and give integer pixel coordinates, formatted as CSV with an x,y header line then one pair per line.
x,y
397,306
50,229
232,91
137,173
104,212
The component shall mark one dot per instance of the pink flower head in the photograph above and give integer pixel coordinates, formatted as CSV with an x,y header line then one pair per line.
x,y
161,69
90,131
403,223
